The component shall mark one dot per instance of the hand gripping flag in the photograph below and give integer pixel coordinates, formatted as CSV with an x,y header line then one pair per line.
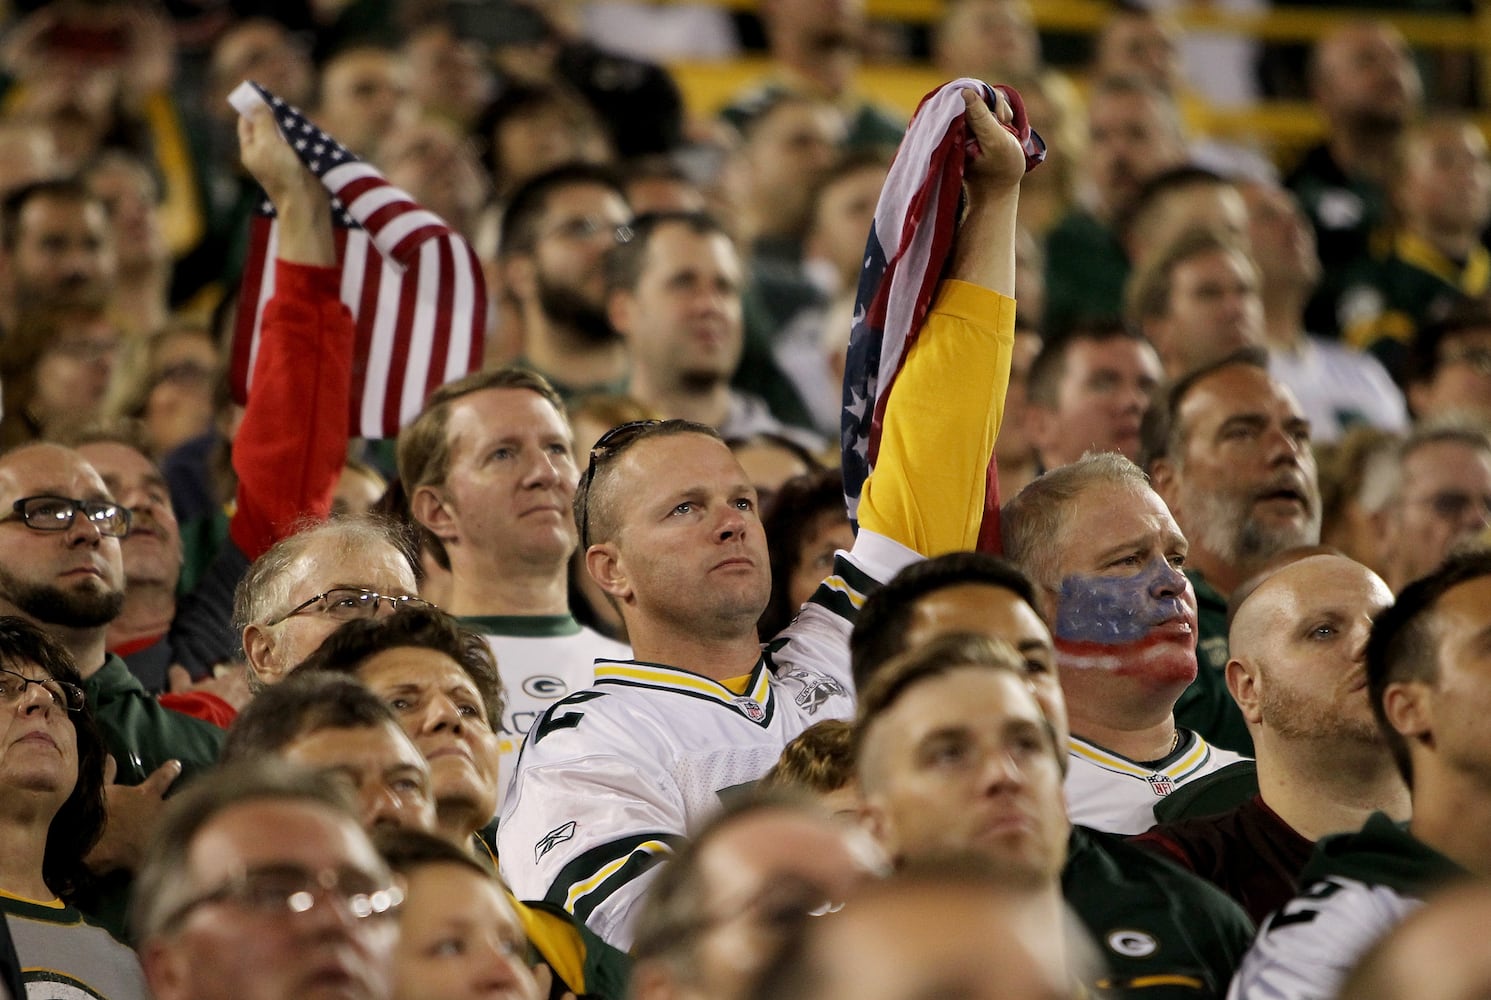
x,y
414,287
915,223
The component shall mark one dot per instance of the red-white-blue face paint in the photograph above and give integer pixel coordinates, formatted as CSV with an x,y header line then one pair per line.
x,y
1144,625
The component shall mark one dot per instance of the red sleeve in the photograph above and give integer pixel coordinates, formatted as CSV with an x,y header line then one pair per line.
x,y
201,705
292,443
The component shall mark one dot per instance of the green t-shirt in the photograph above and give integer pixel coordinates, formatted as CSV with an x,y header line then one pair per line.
x,y
1162,931
1086,269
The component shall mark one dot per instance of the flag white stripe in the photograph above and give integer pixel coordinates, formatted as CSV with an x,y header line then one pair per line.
x,y
339,177
462,318
400,226
354,268
266,292
422,341
380,351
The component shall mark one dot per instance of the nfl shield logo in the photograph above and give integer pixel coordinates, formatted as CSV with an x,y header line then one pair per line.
x,y
751,709
1161,784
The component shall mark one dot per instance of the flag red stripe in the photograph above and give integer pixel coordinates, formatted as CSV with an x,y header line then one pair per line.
x,y
375,222
365,309
399,362
405,249
351,191
393,304
444,315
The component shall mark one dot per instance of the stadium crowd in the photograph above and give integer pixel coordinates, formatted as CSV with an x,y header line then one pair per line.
x,y
1150,655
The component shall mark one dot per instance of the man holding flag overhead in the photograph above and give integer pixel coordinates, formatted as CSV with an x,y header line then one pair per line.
x,y
413,286
613,778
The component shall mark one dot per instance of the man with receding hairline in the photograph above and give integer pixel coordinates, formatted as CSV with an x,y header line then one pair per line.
x,y
66,574
1107,560
1229,451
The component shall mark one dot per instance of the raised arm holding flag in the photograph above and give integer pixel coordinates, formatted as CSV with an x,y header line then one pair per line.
x,y
612,779
413,285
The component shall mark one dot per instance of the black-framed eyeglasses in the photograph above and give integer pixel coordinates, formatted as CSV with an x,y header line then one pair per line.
x,y
606,447
350,604
277,890
52,513
587,226
64,695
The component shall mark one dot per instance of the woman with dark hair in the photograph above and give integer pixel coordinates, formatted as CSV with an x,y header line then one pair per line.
x,y
51,815
805,525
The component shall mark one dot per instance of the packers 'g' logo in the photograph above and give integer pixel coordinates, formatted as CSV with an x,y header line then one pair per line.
x,y
544,687
1132,943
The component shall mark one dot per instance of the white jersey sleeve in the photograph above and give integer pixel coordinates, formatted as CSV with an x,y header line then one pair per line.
x,y
1304,951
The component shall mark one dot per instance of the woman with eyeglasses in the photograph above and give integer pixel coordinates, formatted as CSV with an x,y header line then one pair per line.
x,y
51,815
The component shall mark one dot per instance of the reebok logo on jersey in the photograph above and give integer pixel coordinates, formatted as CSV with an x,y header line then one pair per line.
x,y
553,839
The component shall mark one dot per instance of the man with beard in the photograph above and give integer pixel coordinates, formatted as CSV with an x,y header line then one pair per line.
x,y
675,298
1298,671
61,569
1106,558
1427,684
1229,451
556,233
58,250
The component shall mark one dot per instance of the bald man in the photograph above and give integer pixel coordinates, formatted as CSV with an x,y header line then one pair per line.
x,y
1297,671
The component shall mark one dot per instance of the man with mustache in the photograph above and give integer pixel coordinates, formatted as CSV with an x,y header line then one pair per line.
x,y
1107,558
556,233
1229,451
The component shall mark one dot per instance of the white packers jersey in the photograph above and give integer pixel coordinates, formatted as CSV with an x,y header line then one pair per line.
x,y
612,779
1358,886
541,658
1112,793
1306,948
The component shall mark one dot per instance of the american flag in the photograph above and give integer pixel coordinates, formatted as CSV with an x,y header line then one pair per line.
x,y
413,284
915,220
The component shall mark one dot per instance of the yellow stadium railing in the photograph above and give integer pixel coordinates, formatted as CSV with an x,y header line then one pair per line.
x,y
1284,125
1279,24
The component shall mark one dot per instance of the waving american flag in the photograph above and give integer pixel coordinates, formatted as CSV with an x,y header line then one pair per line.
x,y
412,283
915,222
